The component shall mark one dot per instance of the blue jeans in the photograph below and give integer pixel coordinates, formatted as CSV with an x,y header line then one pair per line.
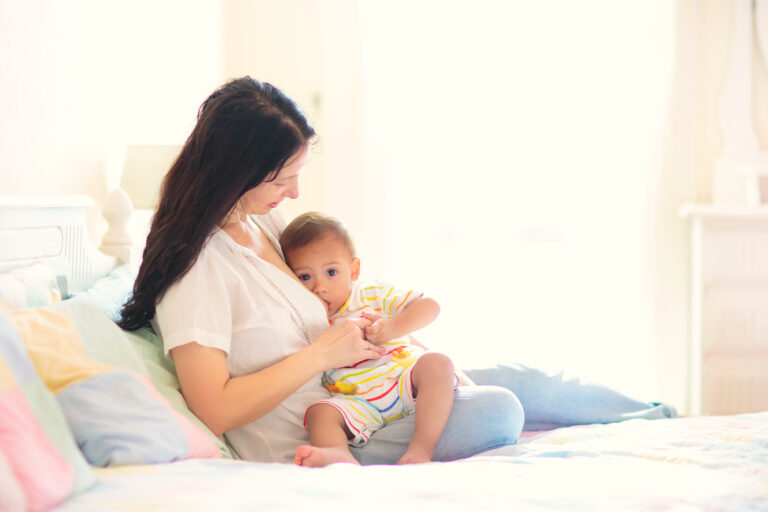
x,y
507,400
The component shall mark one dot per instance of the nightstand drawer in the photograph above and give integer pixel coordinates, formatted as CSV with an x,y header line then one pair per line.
x,y
735,384
731,251
735,316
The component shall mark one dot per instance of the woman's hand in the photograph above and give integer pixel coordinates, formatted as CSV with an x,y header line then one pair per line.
x,y
224,402
344,344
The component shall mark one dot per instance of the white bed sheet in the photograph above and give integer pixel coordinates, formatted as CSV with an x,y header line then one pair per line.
x,y
685,464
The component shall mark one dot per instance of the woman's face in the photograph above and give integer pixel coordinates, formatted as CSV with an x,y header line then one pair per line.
x,y
268,194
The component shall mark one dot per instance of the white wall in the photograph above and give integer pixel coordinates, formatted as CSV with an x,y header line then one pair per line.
x,y
501,98
79,78
315,56
281,43
519,150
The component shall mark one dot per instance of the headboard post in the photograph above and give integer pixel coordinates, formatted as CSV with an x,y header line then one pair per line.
x,y
117,210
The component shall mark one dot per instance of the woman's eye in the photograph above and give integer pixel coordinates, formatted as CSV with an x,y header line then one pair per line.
x,y
304,277
332,272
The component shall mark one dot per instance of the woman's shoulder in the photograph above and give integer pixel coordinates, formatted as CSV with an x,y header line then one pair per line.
x,y
215,257
216,243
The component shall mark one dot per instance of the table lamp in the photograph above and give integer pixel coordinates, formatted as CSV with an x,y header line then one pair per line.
x,y
144,169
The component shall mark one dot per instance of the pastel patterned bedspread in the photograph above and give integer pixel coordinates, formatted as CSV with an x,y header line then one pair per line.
x,y
715,463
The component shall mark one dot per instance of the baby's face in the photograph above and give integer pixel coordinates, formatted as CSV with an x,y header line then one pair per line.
x,y
327,269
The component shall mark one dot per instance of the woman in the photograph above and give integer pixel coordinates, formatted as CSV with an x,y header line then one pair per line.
x,y
248,340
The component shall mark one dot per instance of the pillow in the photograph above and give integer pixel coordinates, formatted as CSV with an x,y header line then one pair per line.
x,y
11,494
32,285
110,292
140,351
161,370
35,441
115,412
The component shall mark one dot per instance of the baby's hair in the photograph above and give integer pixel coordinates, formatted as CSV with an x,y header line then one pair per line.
x,y
311,226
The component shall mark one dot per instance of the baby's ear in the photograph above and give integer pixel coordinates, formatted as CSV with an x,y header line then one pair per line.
x,y
355,269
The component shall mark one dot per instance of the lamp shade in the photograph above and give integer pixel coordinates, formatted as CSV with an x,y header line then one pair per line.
x,y
143,172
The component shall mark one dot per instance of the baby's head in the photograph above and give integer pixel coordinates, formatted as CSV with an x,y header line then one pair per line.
x,y
320,252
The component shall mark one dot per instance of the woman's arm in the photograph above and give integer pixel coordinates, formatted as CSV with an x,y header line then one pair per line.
x,y
224,403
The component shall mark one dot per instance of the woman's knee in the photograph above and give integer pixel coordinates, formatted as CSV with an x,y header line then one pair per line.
x,y
483,417
497,407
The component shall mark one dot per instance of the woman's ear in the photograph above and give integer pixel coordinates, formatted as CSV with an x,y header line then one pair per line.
x,y
355,268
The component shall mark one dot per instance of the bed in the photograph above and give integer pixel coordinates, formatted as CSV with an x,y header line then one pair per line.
x,y
91,418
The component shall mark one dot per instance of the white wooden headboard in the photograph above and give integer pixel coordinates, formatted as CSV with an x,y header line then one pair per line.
x,y
53,230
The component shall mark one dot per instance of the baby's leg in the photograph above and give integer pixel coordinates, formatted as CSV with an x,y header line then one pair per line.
x,y
433,380
328,434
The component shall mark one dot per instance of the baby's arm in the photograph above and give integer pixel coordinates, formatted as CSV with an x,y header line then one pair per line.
x,y
418,313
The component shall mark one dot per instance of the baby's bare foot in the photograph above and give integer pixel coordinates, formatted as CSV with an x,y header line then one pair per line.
x,y
314,457
416,454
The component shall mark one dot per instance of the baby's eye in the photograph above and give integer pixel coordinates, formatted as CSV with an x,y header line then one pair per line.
x,y
304,277
332,272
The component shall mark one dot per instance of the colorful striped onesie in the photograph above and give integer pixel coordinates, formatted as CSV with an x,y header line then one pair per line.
x,y
375,391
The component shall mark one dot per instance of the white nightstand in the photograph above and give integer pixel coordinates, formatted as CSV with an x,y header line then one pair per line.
x,y
729,308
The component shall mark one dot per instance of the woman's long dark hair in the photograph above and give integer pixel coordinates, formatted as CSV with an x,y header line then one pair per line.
x,y
246,131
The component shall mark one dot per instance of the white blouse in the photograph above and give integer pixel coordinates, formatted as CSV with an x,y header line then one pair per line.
x,y
257,314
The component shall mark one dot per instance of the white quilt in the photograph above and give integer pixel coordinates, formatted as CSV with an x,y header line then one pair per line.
x,y
685,464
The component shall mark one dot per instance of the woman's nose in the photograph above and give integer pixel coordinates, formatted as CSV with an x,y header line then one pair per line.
x,y
293,190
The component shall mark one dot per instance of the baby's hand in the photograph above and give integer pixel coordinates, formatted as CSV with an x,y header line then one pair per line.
x,y
380,329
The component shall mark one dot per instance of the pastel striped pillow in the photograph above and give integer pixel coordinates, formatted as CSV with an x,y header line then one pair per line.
x,y
11,494
28,286
35,441
115,412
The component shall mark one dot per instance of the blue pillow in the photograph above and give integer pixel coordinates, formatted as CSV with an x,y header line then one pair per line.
x,y
110,292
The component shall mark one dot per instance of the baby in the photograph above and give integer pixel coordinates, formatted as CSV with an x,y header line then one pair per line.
x,y
370,393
